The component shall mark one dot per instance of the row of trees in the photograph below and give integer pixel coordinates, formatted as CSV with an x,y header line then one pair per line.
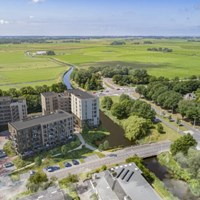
x,y
127,107
169,95
87,79
32,94
160,49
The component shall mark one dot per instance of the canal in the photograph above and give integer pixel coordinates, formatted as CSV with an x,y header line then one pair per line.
x,y
116,137
178,188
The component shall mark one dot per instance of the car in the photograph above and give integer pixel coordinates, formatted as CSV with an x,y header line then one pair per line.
x,y
75,162
56,168
8,164
67,164
31,172
2,154
112,155
52,168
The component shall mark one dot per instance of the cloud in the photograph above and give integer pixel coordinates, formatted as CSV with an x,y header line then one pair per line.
x,y
31,17
197,6
2,22
37,1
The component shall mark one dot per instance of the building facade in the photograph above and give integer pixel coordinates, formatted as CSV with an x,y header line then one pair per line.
x,y
85,107
12,110
41,133
52,101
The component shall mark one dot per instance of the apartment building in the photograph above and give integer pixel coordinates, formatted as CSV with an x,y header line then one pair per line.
x,y
52,101
85,107
41,133
12,110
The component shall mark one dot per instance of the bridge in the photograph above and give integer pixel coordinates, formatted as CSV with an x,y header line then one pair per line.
x,y
144,151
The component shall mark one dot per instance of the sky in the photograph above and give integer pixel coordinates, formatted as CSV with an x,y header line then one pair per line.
x,y
100,17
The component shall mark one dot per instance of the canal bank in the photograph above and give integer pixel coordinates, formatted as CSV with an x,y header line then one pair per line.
x,y
178,188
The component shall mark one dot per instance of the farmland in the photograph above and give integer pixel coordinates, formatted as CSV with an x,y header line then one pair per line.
x,y
17,69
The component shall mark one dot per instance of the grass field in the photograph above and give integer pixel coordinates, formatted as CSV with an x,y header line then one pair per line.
x,y
17,69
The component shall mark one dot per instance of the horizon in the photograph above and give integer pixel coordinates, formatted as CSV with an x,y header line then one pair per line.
x,y
100,18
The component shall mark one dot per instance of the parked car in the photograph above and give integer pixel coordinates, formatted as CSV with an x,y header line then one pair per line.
x,y
8,164
112,155
67,164
52,168
31,172
2,154
75,162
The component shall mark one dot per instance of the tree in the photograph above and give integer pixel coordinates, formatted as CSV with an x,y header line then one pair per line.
x,y
107,103
135,128
38,177
124,97
106,144
193,162
38,161
64,149
101,147
160,128
118,111
183,144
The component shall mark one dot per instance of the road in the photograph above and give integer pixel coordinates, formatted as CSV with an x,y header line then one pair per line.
x,y
146,150
115,90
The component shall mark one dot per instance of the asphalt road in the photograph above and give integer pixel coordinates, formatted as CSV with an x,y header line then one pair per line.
x,y
146,150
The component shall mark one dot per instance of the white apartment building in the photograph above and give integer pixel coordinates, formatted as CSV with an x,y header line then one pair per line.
x,y
12,110
85,107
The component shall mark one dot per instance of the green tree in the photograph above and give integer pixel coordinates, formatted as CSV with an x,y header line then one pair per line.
x,y
119,111
136,128
38,177
64,149
124,97
38,161
107,103
106,144
160,128
183,144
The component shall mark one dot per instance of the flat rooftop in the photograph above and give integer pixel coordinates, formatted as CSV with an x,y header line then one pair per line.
x,y
5,98
26,123
51,193
81,94
46,94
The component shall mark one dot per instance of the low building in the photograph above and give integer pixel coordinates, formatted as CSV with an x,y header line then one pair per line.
x,y
124,182
85,107
52,101
52,193
190,96
41,133
40,53
12,110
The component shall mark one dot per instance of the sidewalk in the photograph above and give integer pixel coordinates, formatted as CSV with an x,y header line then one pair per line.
x,y
84,143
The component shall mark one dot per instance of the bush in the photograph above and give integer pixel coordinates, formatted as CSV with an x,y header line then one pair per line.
x,y
8,148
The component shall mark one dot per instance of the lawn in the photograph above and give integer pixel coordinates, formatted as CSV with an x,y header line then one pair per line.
x,y
18,70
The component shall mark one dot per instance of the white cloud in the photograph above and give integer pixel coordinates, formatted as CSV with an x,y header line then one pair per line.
x,y
37,1
2,22
31,17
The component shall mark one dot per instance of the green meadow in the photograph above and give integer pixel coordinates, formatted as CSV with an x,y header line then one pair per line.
x,y
18,70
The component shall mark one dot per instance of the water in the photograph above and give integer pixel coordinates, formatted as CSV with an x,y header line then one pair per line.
x,y
66,78
178,188
116,137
